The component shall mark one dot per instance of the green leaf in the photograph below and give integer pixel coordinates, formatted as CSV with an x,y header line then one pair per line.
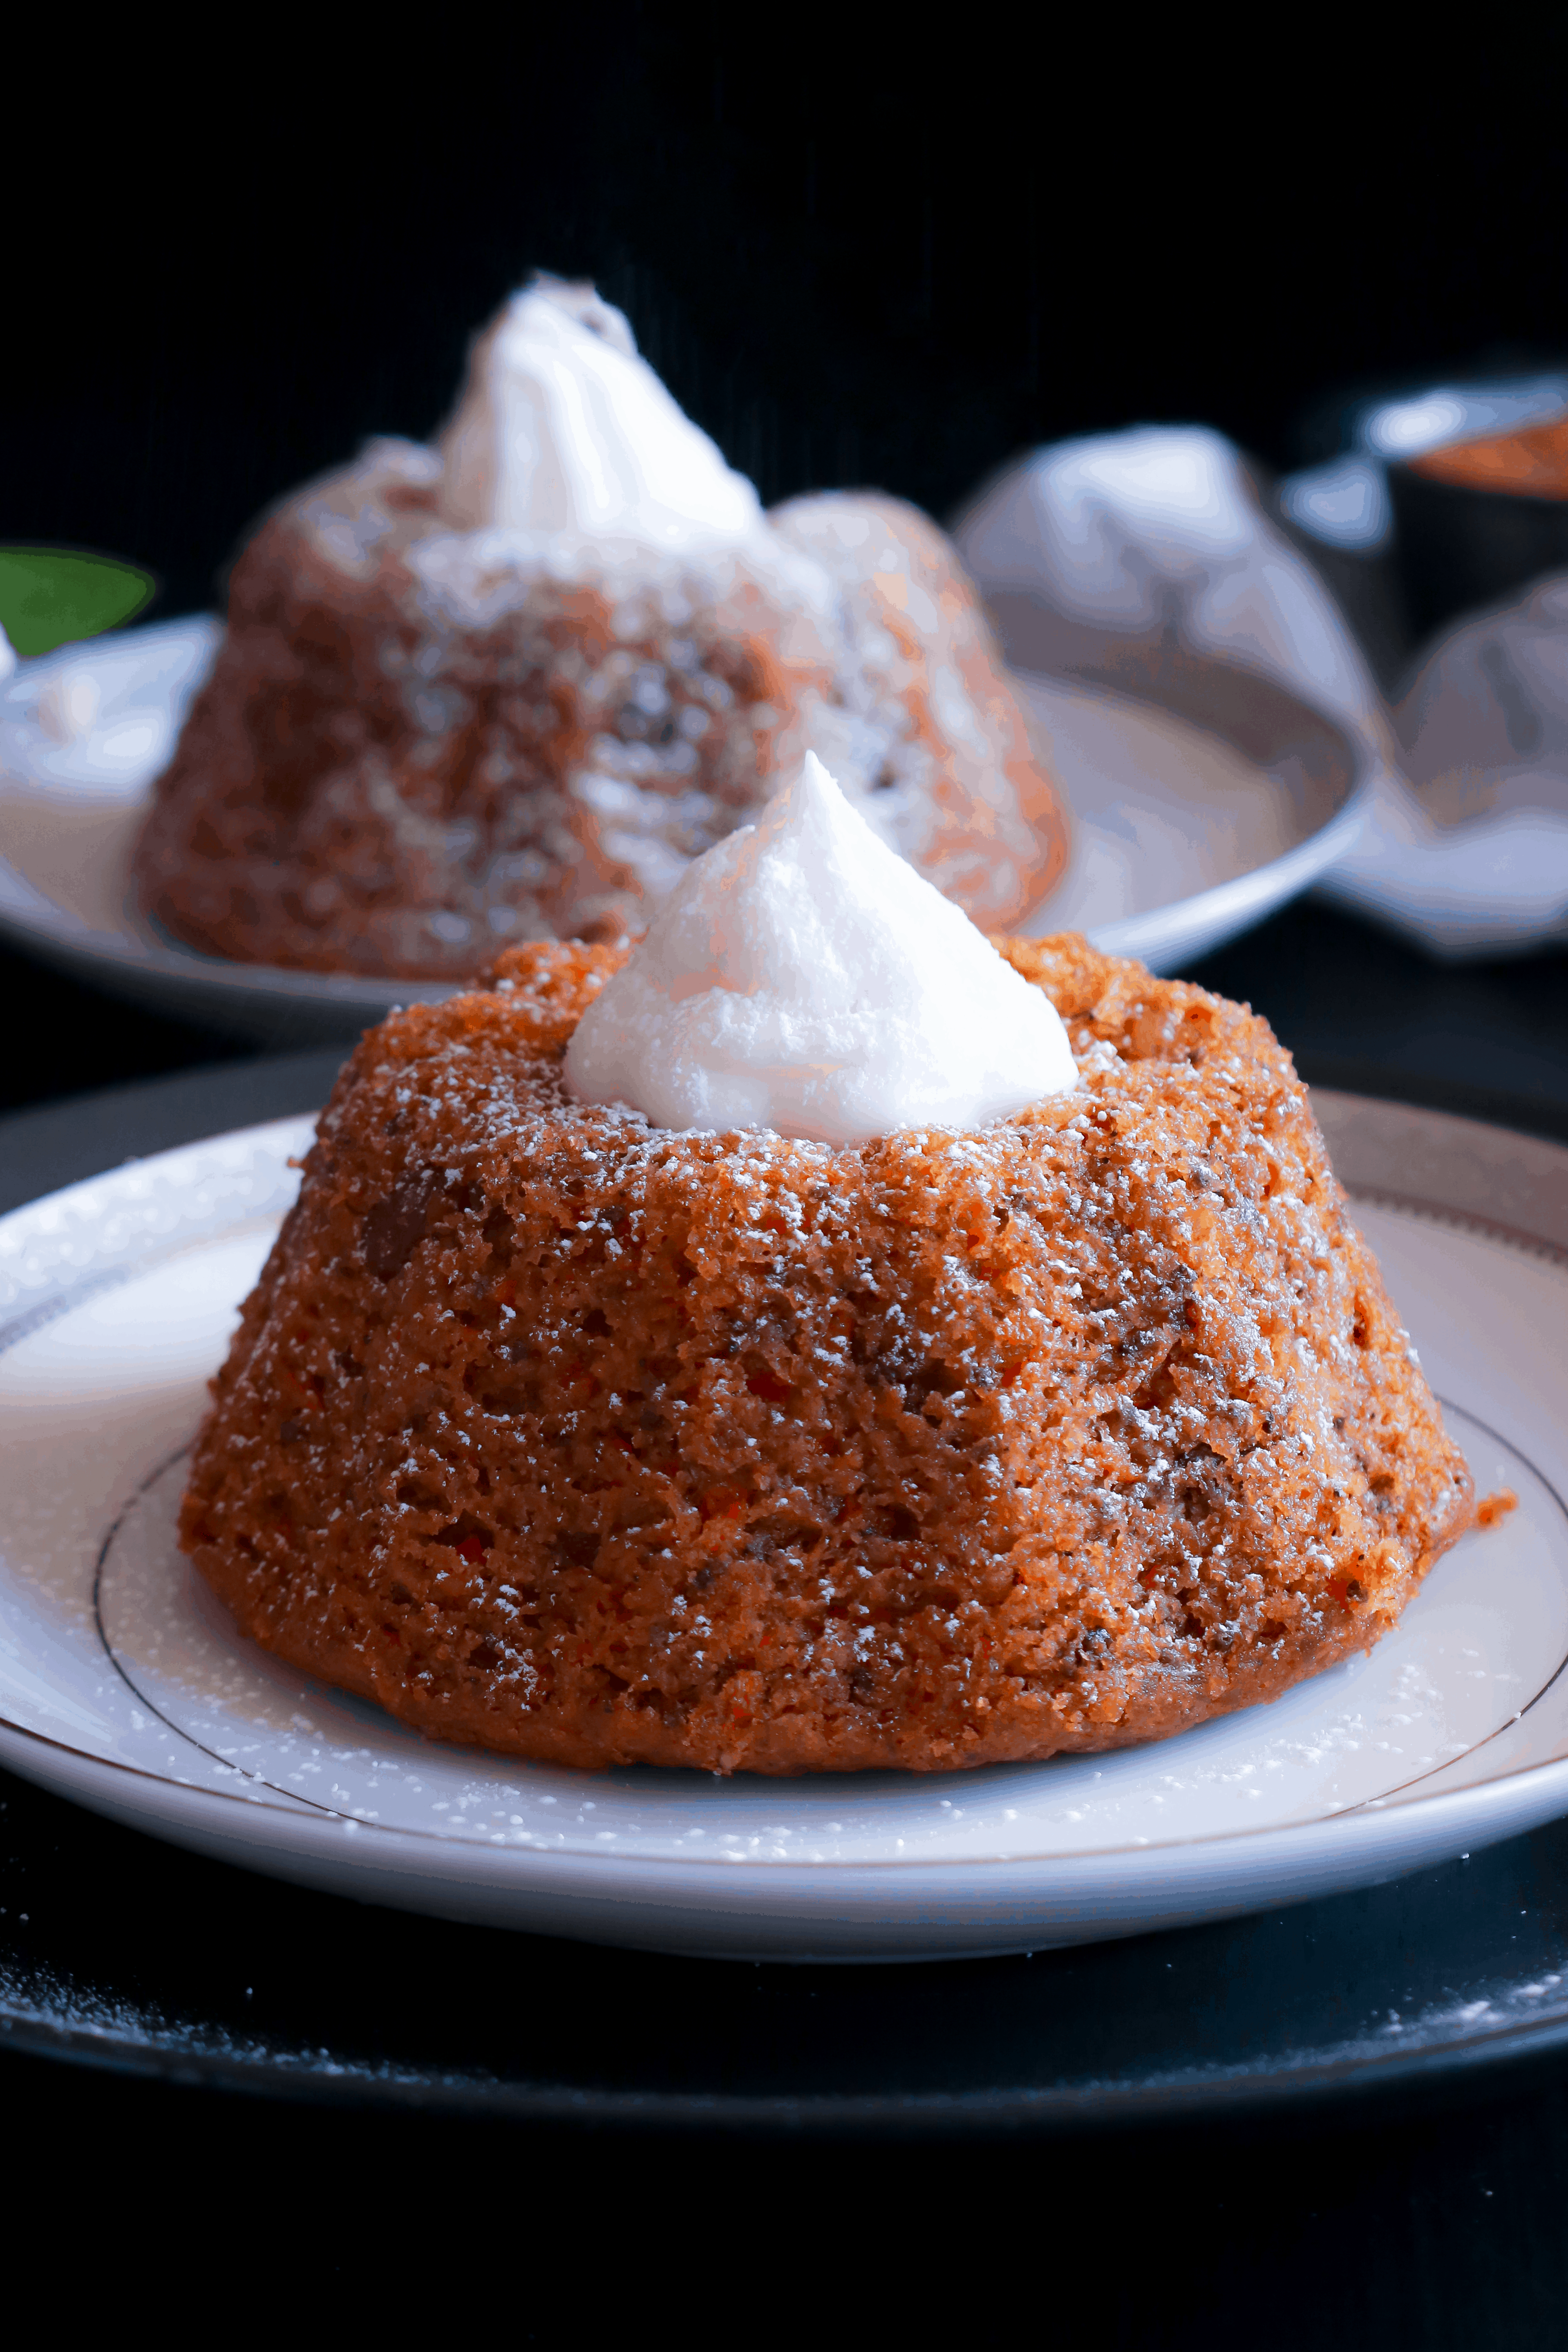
x,y
49,596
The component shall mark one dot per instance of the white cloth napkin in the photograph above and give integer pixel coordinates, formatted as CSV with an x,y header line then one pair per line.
x,y
1113,544
1477,861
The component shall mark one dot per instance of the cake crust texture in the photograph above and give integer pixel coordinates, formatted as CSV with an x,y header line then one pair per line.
x,y
573,1438
419,744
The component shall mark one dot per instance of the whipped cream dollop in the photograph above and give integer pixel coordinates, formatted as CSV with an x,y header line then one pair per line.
x,y
802,977
561,428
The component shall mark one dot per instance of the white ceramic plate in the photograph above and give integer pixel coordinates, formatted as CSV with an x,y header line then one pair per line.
x,y
83,734
122,1684
1185,835
1181,838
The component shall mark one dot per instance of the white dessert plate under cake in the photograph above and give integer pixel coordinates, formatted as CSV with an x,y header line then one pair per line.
x,y
1186,829
124,1685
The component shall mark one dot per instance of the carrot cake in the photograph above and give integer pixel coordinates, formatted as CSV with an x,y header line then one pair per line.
x,y
820,1339
507,686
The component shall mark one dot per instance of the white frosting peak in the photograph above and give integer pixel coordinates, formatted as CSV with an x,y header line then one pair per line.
x,y
561,428
802,977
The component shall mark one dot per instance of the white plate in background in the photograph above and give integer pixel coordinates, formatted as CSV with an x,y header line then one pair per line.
x,y
1183,833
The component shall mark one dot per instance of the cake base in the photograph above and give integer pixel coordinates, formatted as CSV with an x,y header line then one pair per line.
x,y
570,1438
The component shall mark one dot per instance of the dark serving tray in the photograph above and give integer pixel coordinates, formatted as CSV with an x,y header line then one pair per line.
x,y
117,1951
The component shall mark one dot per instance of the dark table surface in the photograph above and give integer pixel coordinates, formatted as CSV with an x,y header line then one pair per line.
x,y
1436,2224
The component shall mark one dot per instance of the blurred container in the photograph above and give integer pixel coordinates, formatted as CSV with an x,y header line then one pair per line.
x,y
1479,514
1405,549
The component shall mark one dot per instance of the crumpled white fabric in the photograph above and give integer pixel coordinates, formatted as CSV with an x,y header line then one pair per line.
x,y
1131,537
1116,542
1474,858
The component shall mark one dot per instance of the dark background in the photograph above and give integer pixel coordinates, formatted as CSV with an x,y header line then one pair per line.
x,y
876,248
891,250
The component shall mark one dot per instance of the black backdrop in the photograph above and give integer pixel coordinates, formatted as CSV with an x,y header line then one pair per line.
x,y
891,249
876,247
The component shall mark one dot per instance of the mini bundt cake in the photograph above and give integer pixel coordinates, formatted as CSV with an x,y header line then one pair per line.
x,y
569,1436
429,732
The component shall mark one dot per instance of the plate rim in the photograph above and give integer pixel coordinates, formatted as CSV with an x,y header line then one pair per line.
x,y
536,1872
768,1868
780,1876
30,920
1186,926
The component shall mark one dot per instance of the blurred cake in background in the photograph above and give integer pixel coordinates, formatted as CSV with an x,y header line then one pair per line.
x,y
507,686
